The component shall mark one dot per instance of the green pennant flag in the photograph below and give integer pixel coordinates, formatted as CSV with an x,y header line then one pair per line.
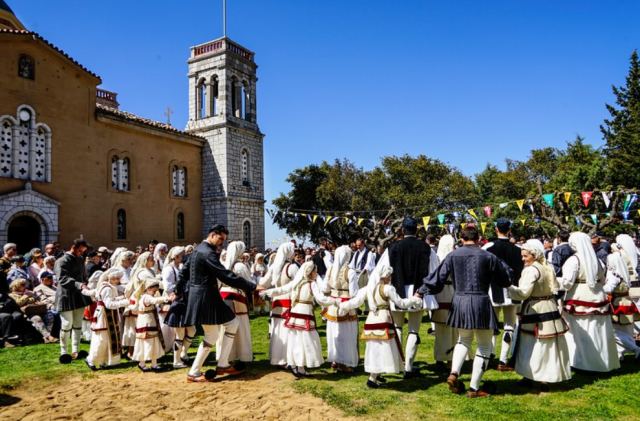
x,y
441,218
548,198
594,218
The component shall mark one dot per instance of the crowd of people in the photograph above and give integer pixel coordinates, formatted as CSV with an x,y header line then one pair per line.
x,y
566,303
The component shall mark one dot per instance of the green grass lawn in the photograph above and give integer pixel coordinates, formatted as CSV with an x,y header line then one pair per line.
x,y
598,397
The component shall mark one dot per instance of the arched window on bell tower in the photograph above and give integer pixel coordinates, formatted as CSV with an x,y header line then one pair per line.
x,y
246,233
244,171
201,99
213,88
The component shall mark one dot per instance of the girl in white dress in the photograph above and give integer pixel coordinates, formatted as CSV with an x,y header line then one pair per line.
x,y
383,353
141,271
445,335
149,343
303,344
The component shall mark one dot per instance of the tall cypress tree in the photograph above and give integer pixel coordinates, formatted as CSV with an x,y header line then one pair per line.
x,y
622,131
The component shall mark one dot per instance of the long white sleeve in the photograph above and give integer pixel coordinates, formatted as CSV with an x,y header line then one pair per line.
x,y
284,289
390,292
354,302
611,283
353,286
525,285
148,300
320,298
570,271
169,278
242,270
112,302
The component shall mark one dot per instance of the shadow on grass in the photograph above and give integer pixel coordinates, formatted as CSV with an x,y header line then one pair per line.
x,y
8,400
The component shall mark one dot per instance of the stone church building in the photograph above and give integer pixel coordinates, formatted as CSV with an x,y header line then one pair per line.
x,y
72,164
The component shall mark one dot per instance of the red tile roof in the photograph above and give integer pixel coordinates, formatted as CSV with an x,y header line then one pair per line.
x,y
38,37
109,111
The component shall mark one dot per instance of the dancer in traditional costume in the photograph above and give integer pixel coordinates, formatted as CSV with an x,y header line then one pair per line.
x,y
383,352
303,344
183,334
236,299
142,271
445,336
629,253
258,270
149,344
170,270
473,271
281,272
591,339
541,353
106,338
619,275
342,329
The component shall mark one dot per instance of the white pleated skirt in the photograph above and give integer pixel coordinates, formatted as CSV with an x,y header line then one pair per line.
x,y
382,357
591,343
342,343
129,331
241,350
278,342
543,360
100,350
304,349
147,349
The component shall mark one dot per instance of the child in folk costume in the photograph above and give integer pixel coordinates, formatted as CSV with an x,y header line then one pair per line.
x,y
236,299
619,275
169,275
342,330
303,344
279,274
258,270
149,342
629,252
383,353
106,342
139,274
445,336
541,353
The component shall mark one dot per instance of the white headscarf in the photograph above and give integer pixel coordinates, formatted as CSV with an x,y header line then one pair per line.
x,y
173,253
116,254
136,285
302,274
536,248
157,256
626,242
109,274
381,269
581,244
122,255
617,265
234,253
342,257
284,253
445,246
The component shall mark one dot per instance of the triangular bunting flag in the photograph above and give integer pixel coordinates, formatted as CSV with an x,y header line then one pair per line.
x,y
607,199
594,218
567,196
472,213
578,223
483,226
503,205
520,204
463,225
586,197
425,221
452,227
487,211
548,199
627,202
625,215
360,221
328,220
531,207
315,218
441,218
523,221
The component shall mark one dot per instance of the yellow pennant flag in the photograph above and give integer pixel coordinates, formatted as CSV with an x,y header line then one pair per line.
x,y
483,226
346,220
523,220
473,213
520,204
425,221
315,218
360,221
463,225
638,212
567,196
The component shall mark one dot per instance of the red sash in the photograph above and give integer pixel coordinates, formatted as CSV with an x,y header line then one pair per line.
x,y
378,326
233,296
146,329
281,303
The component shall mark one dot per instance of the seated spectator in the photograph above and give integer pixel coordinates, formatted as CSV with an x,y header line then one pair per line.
x,y
49,264
27,302
17,270
12,321
36,266
46,293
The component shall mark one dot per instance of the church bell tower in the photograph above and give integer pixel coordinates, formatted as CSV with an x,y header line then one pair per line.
x,y
222,109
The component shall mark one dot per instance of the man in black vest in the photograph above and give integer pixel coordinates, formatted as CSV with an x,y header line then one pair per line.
x,y
362,263
561,252
205,305
409,259
511,255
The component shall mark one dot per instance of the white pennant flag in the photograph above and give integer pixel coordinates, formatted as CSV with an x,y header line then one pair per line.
x,y
607,199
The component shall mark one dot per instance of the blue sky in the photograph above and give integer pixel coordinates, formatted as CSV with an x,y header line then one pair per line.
x,y
467,82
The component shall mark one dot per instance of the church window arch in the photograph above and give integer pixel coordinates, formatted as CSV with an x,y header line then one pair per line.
x,y
178,181
25,146
120,173
246,233
180,226
121,224
245,101
235,97
213,87
26,67
201,99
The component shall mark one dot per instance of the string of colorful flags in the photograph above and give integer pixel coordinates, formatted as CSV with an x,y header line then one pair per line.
x,y
470,215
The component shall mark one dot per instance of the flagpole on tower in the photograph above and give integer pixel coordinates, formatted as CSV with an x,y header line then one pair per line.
x,y
224,18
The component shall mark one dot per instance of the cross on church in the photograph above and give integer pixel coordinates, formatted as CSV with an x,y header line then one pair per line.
x,y
168,113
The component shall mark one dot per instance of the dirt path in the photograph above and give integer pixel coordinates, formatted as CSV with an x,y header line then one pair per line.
x,y
134,396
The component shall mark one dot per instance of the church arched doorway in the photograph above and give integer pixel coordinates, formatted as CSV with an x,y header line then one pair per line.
x,y
25,231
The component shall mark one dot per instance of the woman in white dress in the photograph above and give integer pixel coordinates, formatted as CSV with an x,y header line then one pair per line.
x,y
629,253
624,310
280,272
342,329
236,300
383,348
591,341
303,344
446,336
541,353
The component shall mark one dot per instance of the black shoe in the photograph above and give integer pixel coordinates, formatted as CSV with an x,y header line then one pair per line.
x,y
372,385
144,369
65,359
381,380
295,372
411,374
82,355
157,369
91,366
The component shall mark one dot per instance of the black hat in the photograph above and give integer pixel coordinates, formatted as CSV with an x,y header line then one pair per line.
x,y
503,225
410,223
